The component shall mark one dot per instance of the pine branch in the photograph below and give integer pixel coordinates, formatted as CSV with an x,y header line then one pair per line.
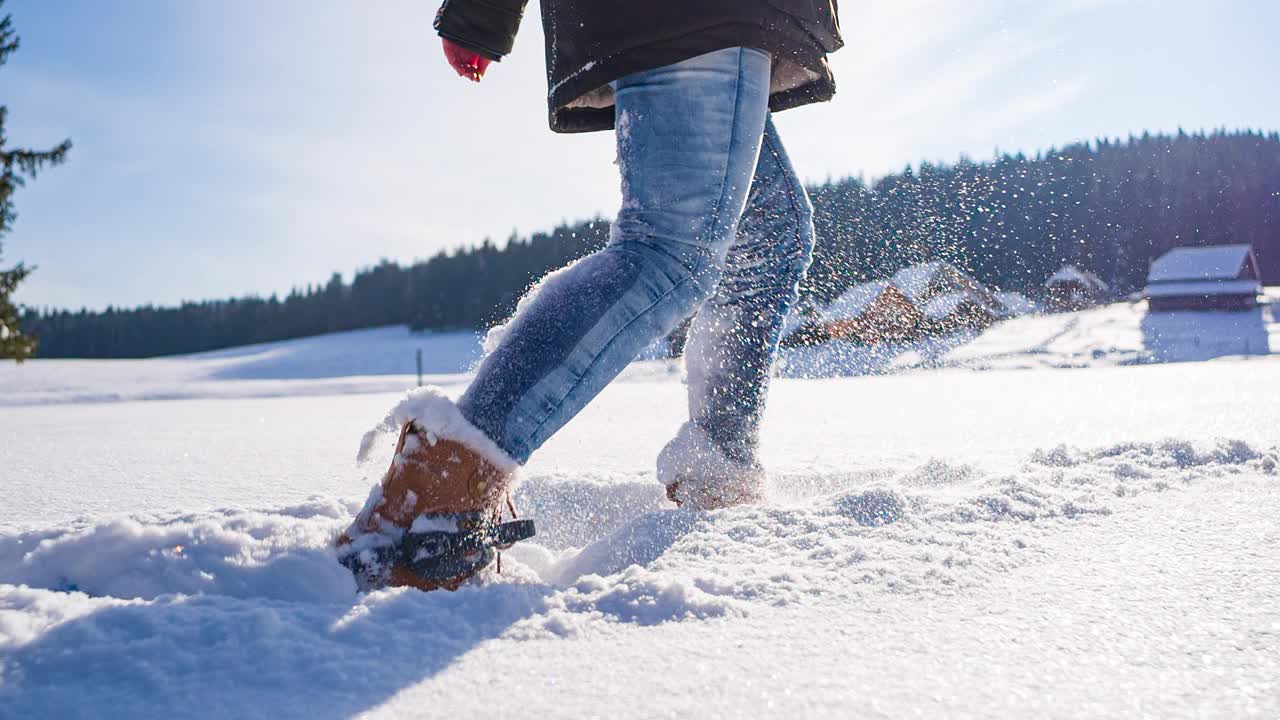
x,y
8,39
29,163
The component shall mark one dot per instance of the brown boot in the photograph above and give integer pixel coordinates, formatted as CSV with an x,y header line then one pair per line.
x,y
435,521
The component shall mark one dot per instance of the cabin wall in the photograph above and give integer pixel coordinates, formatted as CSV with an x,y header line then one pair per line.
x,y
1202,302
891,318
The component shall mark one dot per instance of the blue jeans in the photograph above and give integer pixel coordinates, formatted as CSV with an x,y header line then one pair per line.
x,y
713,221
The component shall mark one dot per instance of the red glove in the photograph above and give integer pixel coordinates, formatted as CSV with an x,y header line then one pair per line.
x,y
467,64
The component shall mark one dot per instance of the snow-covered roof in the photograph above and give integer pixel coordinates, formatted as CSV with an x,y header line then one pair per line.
x,y
854,301
1213,262
947,303
915,280
1015,303
1201,288
943,305
1071,273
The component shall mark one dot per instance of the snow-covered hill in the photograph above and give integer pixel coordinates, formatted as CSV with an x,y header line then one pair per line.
x,y
375,360
384,359
1025,541
1117,334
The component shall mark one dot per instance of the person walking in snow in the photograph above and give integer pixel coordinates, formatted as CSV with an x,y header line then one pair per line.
x,y
714,221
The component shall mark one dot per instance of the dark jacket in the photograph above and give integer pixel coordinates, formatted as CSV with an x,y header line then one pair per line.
x,y
591,43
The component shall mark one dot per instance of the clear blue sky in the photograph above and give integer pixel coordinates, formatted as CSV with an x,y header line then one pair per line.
x,y
225,147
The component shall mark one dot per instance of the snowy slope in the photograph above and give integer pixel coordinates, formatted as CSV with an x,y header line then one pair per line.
x,y
1127,580
383,359
940,543
1120,334
374,360
1117,334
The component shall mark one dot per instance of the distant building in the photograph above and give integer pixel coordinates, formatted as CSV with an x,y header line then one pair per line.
x,y
927,281
1015,304
931,298
871,313
953,312
1214,277
949,298
1073,289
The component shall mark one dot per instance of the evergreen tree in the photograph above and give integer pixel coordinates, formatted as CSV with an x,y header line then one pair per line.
x,y
19,165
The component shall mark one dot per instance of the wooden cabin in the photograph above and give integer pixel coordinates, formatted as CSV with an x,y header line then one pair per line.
x,y
1211,277
953,312
1015,304
1074,289
925,282
870,314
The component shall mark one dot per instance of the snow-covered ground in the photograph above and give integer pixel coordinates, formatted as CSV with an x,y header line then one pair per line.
x,y
1118,334
1026,541
375,360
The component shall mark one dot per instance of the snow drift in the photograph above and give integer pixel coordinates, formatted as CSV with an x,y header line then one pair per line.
x,y
214,611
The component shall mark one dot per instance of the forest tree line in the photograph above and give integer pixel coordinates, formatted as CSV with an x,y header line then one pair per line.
x,y
1108,206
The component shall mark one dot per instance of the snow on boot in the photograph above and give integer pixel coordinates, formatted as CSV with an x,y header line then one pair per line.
x,y
699,476
436,518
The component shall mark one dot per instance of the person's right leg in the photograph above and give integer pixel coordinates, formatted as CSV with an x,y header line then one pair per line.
x,y
688,139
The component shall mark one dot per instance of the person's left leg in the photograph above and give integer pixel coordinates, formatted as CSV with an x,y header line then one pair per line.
x,y
734,339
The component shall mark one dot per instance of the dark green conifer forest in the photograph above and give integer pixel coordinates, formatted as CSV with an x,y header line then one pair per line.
x,y
1108,206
